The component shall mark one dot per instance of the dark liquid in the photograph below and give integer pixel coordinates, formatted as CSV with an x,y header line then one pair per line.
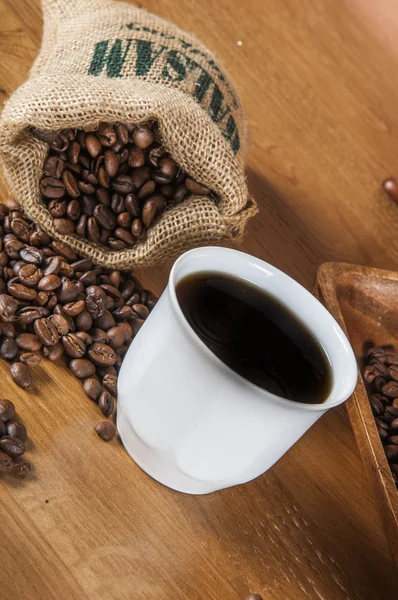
x,y
256,336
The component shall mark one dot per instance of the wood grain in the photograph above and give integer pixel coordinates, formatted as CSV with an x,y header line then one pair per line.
x,y
321,102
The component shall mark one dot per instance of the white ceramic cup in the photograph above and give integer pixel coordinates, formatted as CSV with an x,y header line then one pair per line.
x,y
189,420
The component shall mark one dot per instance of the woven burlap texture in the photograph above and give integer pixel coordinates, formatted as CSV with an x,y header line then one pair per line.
x,y
108,61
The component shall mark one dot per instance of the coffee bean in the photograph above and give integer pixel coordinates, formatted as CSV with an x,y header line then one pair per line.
x,y
111,163
110,383
72,309
68,292
50,187
104,217
7,410
29,275
60,323
12,446
32,255
28,341
54,352
127,331
71,186
8,329
82,368
53,167
64,226
6,463
95,306
123,184
8,348
29,314
106,402
57,208
17,430
99,335
21,291
102,354
22,468
50,282
391,187
93,388
93,233
106,135
106,431
63,250
149,213
137,229
86,337
30,359
391,358
73,345
21,374
390,389
116,337
46,331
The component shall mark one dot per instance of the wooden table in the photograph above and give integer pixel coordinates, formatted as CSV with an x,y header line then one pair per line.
x,y
321,97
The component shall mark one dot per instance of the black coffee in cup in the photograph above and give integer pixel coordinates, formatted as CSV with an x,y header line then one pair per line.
x,y
254,334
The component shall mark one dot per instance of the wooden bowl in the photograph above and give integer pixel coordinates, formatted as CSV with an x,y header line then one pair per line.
x,y
365,303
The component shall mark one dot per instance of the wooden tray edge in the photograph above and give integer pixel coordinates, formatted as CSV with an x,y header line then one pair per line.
x,y
358,407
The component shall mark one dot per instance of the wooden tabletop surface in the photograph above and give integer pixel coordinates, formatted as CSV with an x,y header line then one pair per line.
x,y
321,98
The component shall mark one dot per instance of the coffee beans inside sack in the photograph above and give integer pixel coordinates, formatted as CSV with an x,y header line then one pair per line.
x,y
107,64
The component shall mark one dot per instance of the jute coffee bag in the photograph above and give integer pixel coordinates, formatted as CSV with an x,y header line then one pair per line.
x,y
108,61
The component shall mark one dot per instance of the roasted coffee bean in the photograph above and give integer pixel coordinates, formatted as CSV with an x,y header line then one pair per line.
x,y
99,335
86,337
8,348
6,463
72,309
93,388
110,383
118,204
63,250
70,183
49,283
21,291
106,402
149,213
102,354
390,450
123,184
21,374
8,329
30,359
140,311
46,331
73,345
32,255
50,187
391,358
104,217
68,292
106,321
93,232
29,314
17,430
125,236
61,323
29,275
196,188
57,208
127,331
82,368
102,371
111,163
116,337
106,431
7,410
95,306
138,229
390,389
106,135
12,446
21,229
53,167
28,341
391,187
22,468
54,352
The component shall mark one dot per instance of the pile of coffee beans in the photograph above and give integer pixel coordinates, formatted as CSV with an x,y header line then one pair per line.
x,y
54,304
110,184
13,436
381,377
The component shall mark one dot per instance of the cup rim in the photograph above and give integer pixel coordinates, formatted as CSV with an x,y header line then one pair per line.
x,y
352,369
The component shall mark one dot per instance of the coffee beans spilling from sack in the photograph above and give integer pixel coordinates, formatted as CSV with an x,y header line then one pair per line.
x,y
13,436
54,304
109,185
128,66
381,377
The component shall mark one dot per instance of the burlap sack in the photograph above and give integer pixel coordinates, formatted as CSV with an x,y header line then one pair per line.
x,y
108,61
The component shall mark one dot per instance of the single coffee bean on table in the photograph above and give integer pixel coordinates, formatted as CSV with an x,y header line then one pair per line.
x,y
61,306
380,373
